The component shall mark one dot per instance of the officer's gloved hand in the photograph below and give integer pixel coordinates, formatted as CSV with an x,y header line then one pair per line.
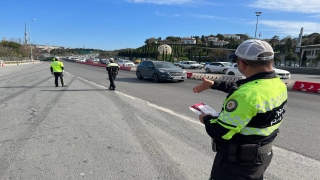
x,y
62,71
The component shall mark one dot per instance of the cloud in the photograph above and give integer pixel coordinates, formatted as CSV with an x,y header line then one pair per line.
x,y
290,27
302,6
166,2
175,2
203,16
166,15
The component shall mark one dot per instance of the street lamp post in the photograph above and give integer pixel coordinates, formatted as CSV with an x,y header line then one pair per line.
x,y
257,14
31,56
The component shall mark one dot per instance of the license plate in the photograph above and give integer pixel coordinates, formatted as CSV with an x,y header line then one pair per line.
x,y
176,77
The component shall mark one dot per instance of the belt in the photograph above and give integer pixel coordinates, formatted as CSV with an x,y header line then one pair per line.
x,y
245,154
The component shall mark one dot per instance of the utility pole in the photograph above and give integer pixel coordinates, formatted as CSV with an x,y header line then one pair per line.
x,y
257,14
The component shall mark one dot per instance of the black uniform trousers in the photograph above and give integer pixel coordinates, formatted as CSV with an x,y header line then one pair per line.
x,y
223,169
112,77
56,77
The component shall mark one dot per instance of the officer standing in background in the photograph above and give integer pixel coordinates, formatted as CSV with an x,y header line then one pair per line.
x,y
57,70
112,69
252,112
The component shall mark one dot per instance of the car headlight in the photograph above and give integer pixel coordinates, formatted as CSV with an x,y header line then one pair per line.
x,y
184,72
162,71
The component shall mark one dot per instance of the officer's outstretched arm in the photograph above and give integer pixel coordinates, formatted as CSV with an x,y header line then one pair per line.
x,y
224,86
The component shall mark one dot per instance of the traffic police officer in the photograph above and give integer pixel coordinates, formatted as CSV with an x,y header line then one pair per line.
x,y
57,70
252,112
112,69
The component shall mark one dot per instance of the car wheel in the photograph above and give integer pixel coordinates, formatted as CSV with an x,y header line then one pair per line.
x,y
224,71
182,67
155,78
231,73
180,80
207,70
139,75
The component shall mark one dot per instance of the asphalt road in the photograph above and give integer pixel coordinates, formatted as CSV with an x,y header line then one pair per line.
x,y
294,76
142,131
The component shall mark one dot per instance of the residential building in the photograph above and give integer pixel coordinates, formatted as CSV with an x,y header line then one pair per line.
x,y
188,40
233,36
214,39
220,43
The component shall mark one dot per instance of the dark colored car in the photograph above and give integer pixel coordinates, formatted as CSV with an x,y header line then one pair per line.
x,y
160,70
104,61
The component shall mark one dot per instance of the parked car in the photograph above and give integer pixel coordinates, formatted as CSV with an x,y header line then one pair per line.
x,y
190,65
160,70
282,74
127,63
220,67
178,63
104,61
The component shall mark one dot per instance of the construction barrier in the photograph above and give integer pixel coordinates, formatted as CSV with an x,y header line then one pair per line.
x,y
127,68
306,86
189,74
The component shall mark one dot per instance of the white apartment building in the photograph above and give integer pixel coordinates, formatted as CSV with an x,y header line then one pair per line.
x,y
188,40
214,39
220,43
233,36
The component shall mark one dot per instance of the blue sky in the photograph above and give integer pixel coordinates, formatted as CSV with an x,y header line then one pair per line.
x,y
118,24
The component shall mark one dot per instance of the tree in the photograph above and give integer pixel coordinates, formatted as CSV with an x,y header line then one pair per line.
x,y
220,37
277,60
317,40
304,59
290,56
218,54
274,40
317,59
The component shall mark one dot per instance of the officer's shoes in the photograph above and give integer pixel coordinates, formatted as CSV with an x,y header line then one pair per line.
x,y
64,85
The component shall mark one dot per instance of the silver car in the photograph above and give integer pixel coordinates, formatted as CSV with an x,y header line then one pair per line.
x,y
220,67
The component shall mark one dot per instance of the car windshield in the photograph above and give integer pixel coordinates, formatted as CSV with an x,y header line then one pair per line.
x,y
227,64
164,65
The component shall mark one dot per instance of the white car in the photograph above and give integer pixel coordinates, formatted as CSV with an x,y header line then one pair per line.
x,y
126,63
220,67
282,74
190,65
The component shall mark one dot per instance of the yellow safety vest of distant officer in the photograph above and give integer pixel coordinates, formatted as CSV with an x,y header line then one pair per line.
x,y
243,132
56,65
57,69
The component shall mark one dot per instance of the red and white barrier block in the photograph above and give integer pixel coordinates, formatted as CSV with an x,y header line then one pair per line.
x,y
306,86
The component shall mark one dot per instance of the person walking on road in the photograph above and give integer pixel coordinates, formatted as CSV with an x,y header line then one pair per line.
x,y
57,70
112,69
243,133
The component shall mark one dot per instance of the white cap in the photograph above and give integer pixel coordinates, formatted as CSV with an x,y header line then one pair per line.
x,y
252,48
